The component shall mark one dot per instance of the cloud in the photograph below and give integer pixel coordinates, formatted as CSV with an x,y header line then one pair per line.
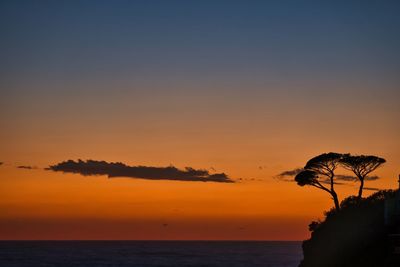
x,y
26,167
118,169
291,173
372,188
288,175
355,179
372,178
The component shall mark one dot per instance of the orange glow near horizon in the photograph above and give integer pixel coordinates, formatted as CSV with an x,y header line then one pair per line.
x,y
40,204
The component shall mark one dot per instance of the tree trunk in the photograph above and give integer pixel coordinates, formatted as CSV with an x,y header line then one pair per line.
x,y
360,189
335,200
333,193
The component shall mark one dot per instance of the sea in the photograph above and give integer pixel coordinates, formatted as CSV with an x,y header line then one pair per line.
x,y
150,253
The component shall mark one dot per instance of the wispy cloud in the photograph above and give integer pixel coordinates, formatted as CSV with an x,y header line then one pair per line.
x,y
355,179
26,167
372,178
289,174
372,188
118,169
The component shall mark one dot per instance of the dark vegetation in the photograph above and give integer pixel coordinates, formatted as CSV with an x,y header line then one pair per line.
x,y
354,236
320,170
353,233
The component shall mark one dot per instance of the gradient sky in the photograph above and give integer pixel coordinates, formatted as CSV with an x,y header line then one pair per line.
x,y
248,88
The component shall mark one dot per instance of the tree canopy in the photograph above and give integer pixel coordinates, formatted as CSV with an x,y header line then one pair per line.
x,y
319,171
361,166
325,164
308,177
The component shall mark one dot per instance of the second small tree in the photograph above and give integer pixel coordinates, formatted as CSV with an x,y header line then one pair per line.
x,y
361,166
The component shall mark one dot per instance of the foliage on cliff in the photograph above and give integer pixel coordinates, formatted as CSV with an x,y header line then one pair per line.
x,y
354,236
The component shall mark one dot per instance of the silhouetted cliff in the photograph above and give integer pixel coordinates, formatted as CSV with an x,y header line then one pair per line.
x,y
354,236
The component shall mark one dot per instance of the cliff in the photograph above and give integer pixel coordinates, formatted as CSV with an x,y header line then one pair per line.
x,y
354,236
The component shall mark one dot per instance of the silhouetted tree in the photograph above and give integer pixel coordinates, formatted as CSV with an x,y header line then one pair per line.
x,y
320,170
361,166
311,178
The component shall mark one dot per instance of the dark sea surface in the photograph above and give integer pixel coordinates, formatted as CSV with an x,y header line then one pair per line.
x,y
150,253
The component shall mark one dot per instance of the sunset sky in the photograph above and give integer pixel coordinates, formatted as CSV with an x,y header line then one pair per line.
x,y
246,88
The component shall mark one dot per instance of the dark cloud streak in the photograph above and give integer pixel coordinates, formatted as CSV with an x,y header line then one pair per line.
x,y
372,188
354,179
290,174
26,167
118,169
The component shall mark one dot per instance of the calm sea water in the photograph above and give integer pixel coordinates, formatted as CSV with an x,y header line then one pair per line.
x,y
149,253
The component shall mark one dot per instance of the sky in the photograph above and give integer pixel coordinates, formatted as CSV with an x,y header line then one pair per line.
x,y
237,91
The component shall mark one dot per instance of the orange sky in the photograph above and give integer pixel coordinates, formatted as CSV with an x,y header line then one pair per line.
x,y
39,204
